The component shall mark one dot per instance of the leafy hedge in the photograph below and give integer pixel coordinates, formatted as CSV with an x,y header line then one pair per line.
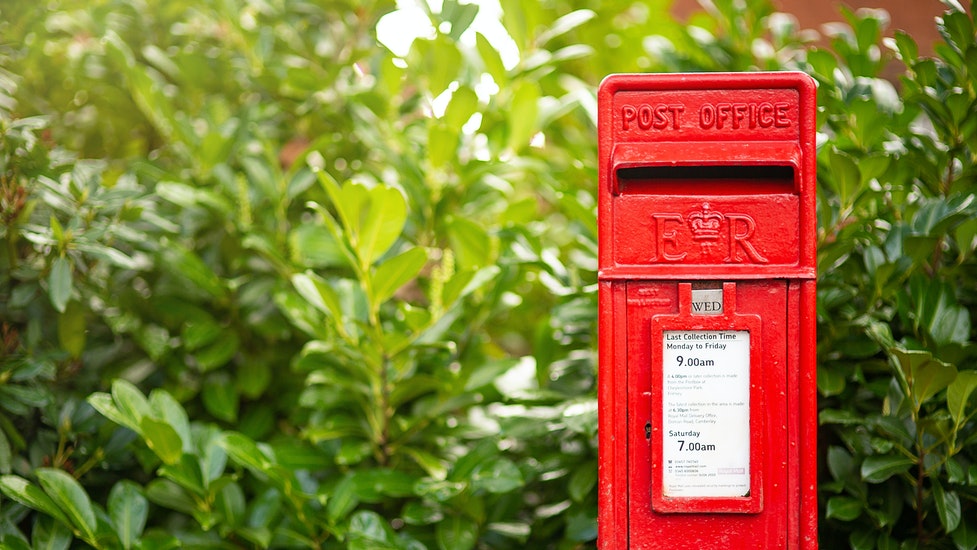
x,y
265,283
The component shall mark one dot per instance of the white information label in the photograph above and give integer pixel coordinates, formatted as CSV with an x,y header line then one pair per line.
x,y
706,413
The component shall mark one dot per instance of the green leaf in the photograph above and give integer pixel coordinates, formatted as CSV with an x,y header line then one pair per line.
x,y
71,498
878,468
863,539
369,531
440,59
253,378
128,510
343,499
162,439
187,474
498,475
48,534
6,456
925,375
165,407
382,224
523,113
72,329
582,481
456,533
840,463
170,495
187,265
565,24
491,59
28,494
947,507
199,332
221,397
194,197
463,104
131,403
418,512
908,50
958,394
231,504
844,173
831,381
460,15
471,243
965,535
245,452
318,293
442,141
104,404
314,246
843,508
218,353
59,283
396,272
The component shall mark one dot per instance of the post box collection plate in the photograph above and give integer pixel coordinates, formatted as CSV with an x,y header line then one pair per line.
x,y
705,422
706,383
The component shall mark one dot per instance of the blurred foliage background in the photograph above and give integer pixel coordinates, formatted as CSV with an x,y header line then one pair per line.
x,y
266,282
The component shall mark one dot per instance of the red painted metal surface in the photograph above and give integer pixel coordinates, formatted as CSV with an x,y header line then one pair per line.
x,y
707,181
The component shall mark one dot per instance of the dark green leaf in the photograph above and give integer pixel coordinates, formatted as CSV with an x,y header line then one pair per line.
x,y
582,481
878,468
220,397
965,535
926,376
843,508
947,507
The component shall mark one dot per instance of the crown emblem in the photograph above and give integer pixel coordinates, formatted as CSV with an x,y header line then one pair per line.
x,y
705,225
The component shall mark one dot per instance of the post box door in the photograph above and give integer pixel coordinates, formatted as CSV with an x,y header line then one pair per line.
x,y
713,456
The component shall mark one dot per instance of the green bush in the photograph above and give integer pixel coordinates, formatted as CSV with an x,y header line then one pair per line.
x,y
265,283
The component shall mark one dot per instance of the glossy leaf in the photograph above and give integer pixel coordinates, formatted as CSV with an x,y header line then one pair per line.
x,y
367,531
30,495
71,498
947,507
131,403
878,468
128,509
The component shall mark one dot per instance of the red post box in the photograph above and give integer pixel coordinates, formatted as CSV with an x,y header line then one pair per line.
x,y
707,273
